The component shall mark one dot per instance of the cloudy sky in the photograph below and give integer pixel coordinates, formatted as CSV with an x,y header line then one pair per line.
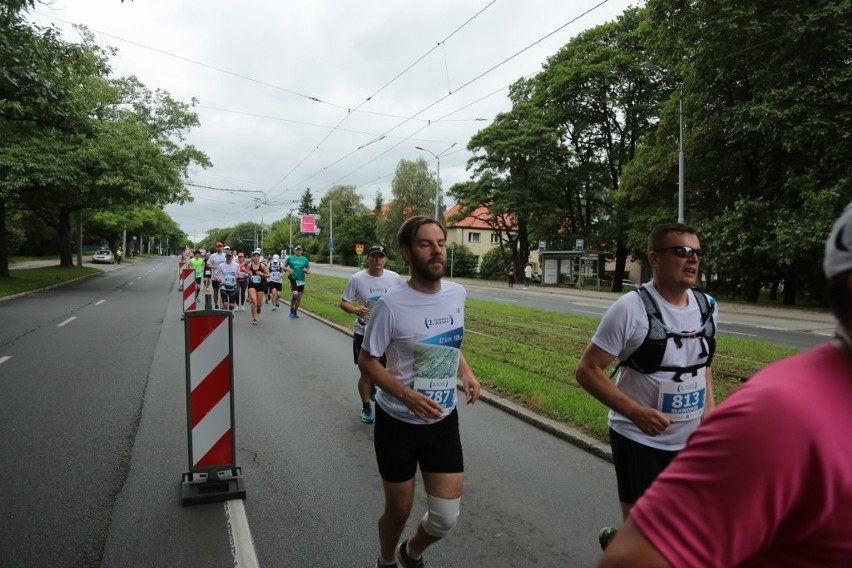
x,y
296,94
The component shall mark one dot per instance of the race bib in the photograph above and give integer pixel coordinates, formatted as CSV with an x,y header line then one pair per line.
x,y
300,282
255,279
681,401
276,274
229,279
442,391
208,273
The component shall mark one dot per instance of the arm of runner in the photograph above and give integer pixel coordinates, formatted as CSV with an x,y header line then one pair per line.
x,y
347,307
469,380
631,548
592,376
421,405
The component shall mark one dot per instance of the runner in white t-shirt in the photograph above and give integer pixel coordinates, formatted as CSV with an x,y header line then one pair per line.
x,y
275,267
226,275
363,290
419,327
664,388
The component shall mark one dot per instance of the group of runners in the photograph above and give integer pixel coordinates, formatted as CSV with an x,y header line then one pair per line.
x,y
231,279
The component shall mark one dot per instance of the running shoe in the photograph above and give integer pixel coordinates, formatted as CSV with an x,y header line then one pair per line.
x,y
296,314
380,565
274,308
276,303
254,321
367,415
291,315
606,535
373,393
405,560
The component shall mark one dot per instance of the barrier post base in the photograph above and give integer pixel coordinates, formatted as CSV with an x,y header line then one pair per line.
x,y
198,488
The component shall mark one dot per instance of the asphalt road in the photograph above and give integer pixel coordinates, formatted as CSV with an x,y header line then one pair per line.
x,y
93,423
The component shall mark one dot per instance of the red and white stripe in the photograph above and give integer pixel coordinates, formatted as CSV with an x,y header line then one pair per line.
x,y
187,279
210,365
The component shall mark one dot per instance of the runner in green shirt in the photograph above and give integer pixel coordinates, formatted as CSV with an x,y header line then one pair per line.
x,y
298,266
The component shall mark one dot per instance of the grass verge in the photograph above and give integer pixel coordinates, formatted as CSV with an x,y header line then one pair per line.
x,y
530,355
29,279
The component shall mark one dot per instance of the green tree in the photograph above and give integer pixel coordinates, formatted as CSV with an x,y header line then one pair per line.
x,y
306,203
413,189
765,92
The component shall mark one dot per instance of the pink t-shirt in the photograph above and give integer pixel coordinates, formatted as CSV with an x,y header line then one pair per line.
x,y
766,481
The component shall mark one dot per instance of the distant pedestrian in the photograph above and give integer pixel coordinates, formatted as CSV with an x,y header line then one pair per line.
x,y
118,255
527,275
511,271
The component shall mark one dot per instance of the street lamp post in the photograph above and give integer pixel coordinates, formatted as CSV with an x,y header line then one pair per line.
x,y
438,191
681,158
681,164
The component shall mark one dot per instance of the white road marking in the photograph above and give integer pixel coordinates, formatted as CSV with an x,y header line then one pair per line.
x,y
100,302
69,320
4,359
588,312
239,532
130,283
738,333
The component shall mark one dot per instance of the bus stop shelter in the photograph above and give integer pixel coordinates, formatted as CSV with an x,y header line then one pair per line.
x,y
574,269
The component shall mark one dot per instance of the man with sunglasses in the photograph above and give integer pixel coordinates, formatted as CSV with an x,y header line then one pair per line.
x,y
663,337
767,479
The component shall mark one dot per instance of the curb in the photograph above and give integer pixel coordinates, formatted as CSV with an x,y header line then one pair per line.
x,y
552,427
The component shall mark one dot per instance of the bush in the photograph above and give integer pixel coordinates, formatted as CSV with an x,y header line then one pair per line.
x,y
461,262
494,264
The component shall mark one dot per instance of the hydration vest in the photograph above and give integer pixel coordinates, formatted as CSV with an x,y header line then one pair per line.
x,y
648,357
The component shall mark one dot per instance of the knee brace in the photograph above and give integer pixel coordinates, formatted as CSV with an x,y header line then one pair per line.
x,y
295,297
441,515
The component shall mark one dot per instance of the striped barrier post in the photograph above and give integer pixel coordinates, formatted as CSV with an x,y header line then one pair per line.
x,y
187,279
213,474
181,264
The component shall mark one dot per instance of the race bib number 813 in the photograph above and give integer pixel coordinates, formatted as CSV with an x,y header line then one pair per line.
x,y
682,401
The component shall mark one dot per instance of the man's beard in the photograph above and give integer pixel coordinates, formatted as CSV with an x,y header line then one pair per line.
x,y
423,270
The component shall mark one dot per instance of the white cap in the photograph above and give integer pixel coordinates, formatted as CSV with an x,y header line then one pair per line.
x,y
275,257
838,247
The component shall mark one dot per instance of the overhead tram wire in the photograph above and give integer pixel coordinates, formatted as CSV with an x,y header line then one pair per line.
x,y
441,99
206,65
383,87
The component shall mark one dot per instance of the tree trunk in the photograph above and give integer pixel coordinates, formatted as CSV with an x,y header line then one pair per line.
x,y
620,264
791,287
752,291
63,228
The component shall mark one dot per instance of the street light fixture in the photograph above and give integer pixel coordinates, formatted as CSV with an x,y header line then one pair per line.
x,y
681,159
438,191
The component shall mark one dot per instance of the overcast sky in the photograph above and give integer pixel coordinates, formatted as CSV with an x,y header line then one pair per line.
x,y
311,93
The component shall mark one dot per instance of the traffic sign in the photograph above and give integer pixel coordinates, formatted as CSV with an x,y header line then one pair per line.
x,y
579,245
542,246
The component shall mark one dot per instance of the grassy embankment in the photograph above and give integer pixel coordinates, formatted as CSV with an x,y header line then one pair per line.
x,y
530,355
24,280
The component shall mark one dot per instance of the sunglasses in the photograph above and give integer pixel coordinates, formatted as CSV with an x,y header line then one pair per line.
x,y
684,252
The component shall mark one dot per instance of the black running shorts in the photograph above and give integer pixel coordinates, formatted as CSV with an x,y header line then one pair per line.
x,y
636,465
400,446
357,341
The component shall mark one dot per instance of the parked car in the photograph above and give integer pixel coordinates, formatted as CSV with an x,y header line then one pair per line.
x,y
629,285
103,256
